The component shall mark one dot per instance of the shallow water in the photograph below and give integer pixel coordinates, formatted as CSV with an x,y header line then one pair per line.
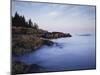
x,y
77,52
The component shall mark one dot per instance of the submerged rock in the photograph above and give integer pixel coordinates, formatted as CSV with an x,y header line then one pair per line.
x,y
48,42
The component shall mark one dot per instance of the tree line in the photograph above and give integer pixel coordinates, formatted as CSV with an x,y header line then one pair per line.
x,y
20,21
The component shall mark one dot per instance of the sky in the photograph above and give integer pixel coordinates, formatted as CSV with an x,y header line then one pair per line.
x,y
58,17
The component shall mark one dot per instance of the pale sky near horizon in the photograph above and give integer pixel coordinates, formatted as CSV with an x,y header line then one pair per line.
x,y
58,17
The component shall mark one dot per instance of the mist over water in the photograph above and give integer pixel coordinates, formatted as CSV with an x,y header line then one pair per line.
x,y
76,52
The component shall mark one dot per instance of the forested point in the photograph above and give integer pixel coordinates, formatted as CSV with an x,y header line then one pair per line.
x,y
27,37
20,21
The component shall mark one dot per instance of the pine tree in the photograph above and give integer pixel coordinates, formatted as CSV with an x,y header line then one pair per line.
x,y
30,23
35,26
19,21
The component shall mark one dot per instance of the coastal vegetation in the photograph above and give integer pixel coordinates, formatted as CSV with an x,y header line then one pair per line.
x,y
27,37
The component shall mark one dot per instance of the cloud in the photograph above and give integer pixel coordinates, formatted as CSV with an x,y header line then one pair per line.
x,y
58,17
54,13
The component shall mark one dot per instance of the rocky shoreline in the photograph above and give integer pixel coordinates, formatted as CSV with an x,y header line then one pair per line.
x,y
22,44
27,40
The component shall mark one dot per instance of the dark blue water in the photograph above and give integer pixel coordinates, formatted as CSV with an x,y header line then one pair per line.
x,y
77,52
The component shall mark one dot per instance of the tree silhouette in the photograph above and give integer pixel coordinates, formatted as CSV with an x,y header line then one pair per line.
x,y
35,26
30,23
20,21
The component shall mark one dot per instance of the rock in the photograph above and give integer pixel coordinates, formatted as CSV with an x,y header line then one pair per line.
x,y
22,44
48,42
55,35
22,68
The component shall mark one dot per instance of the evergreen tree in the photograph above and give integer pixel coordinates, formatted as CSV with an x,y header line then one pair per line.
x,y
30,23
15,19
35,26
19,21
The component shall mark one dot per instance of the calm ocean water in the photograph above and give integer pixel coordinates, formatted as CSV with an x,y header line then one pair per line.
x,y
77,52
